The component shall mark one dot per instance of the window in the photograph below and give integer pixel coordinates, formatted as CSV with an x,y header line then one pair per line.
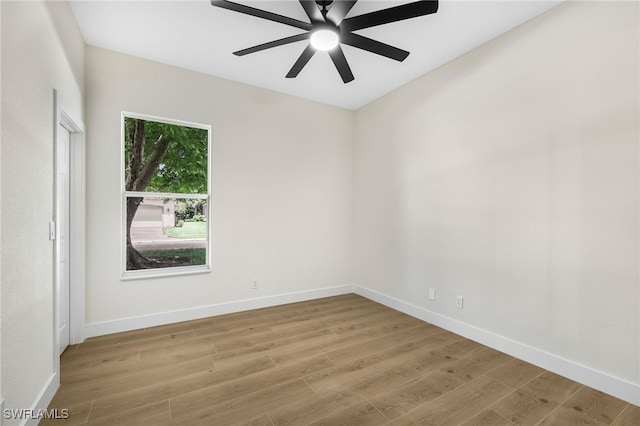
x,y
166,207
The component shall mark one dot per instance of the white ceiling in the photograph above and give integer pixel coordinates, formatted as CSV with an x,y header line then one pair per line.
x,y
197,36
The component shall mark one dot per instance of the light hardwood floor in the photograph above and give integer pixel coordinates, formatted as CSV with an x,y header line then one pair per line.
x,y
337,361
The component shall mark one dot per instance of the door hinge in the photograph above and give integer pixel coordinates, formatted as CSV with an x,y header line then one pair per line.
x,y
52,230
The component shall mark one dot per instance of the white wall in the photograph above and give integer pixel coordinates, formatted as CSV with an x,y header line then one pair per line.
x,y
282,200
510,176
42,50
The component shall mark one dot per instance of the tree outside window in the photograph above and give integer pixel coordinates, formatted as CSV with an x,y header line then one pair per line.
x,y
166,197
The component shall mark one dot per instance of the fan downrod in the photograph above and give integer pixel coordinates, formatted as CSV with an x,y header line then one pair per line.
x,y
324,6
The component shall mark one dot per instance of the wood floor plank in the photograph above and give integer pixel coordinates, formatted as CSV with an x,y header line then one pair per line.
x,y
156,413
587,406
244,407
86,351
101,370
72,363
339,360
458,364
296,343
282,351
535,400
401,400
367,320
182,404
356,350
341,342
113,353
222,332
315,409
138,337
476,364
516,373
146,359
268,336
487,418
161,330
261,316
182,385
198,346
329,316
458,372
95,389
380,382
630,416
266,320
459,404
348,372
262,420
363,414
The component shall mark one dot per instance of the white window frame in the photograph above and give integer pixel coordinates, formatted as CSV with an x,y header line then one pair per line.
x,y
170,271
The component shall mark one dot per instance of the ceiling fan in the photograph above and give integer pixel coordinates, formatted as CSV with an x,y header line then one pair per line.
x,y
329,27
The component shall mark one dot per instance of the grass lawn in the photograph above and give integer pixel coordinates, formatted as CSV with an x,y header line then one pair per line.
x,y
178,257
188,230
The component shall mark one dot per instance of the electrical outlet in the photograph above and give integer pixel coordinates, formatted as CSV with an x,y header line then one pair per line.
x,y
459,302
432,294
254,284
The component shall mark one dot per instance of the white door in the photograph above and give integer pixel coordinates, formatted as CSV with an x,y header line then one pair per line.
x,y
62,237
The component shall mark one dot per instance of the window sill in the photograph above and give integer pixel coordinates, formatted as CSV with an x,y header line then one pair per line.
x,y
168,272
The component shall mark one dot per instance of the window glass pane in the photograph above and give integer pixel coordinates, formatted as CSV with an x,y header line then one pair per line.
x,y
163,157
166,187
166,232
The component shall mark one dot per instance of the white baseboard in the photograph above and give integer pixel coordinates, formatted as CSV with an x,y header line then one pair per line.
x,y
44,399
619,388
136,323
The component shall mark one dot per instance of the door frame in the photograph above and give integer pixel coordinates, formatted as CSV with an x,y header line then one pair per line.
x,y
77,228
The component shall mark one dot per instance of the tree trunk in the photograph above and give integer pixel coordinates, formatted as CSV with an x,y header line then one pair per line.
x,y
139,176
135,260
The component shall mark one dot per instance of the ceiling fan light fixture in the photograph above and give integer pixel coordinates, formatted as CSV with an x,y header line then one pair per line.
x,y
324,39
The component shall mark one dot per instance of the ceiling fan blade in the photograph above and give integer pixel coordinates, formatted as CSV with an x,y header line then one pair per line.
x,y
340,61
339,10
301,62
392,14
275,43
374,46
312,10
259,13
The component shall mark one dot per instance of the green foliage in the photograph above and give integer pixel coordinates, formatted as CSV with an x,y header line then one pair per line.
x,y
188,230
199,218
184,213
184,167
178,257
180,223
186,209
